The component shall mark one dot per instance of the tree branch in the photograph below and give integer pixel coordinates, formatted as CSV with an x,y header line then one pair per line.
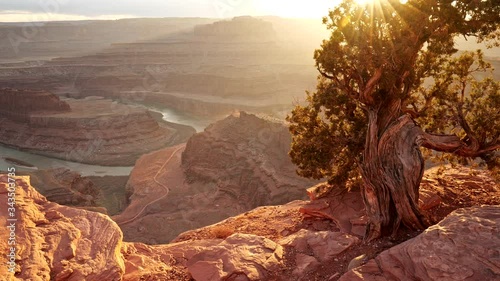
x,y
366,93
453,144
326,75
344,87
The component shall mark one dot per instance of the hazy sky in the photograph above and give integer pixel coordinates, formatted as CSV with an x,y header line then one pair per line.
x,y
43,10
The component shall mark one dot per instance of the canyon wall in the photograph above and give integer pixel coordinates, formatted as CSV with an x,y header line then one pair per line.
x,y
93,131
239,28
253,64
19,105
235,165
246,153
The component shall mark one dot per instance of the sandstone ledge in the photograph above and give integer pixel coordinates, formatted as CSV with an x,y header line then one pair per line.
x,y
277,243
463,246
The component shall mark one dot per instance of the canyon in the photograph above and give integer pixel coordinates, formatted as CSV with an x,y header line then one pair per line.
x,y
92,130
202,67
235,165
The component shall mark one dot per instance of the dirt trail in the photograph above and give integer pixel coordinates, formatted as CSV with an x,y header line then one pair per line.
x,y
167,190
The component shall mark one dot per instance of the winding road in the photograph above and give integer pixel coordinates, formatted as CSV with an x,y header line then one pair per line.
x,y
167,190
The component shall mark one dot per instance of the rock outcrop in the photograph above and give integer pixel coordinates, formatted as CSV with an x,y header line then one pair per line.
x,y
464,246
54,242
235,165
93,131
247,158
105,194
19,105
224,260
65,187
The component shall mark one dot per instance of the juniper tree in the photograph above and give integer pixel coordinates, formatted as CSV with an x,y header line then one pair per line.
x,y
391,83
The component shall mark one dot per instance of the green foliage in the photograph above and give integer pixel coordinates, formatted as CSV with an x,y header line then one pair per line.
x,y
328,135
459,103
456,91
412,46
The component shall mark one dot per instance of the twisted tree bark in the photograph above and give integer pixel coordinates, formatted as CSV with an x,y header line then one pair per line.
x,y
392,169
393,166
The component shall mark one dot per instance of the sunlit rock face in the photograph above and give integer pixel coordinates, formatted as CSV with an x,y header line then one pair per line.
x,y
235,165
463,246
55,242
247,158
91,130
270,243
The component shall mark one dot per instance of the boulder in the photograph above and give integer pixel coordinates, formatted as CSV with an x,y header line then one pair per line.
x,y
305,264
463,246
239,257
325,245
55,242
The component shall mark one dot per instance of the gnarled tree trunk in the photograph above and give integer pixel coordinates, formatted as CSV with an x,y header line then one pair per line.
x,y
393,166
392,169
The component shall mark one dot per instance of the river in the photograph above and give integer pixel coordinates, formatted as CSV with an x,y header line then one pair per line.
x,y
175,116
44,162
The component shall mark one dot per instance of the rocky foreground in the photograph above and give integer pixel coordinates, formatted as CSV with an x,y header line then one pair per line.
x,y
93,130
296,241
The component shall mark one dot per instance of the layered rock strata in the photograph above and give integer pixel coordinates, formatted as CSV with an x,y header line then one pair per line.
x,y
19,105
93,131
235,165
54,242
246,157
65,187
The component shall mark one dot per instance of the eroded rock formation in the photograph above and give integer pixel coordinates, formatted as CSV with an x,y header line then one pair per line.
x,y
233,64
464,246
235,165
94,131
65,187
247,158
19,105
105,194
54,242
